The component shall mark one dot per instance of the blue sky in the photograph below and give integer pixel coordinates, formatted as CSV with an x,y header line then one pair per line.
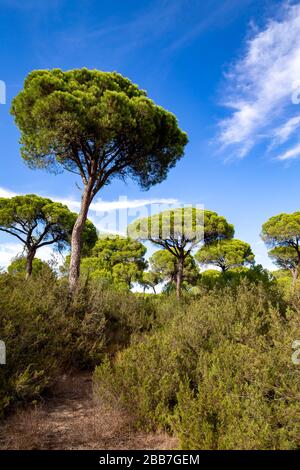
x,y
229,70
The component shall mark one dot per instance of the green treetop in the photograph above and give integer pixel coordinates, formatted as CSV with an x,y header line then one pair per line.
x,y
281,233
98,125
286,258
179,231
37,222
18,267
164,266
150,279
118,259
225,254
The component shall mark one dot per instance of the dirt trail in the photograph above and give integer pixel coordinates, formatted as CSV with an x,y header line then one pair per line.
x,y
70,418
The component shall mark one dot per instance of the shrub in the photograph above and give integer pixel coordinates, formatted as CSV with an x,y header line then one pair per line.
x,y
18,267
45,331
219,373
235,276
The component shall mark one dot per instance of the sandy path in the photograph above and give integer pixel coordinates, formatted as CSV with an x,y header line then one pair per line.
x,y
70,418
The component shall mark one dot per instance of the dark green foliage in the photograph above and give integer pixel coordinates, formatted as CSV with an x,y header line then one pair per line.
x,y
39,222
282,230
255,274
181,228
120,260
18,267
44,333
226,254
97,124
163,267
179,231
36,221
281,233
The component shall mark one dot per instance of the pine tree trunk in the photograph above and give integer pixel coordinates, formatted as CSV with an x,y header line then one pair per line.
x,y
295,274
76,240
179,276
29,261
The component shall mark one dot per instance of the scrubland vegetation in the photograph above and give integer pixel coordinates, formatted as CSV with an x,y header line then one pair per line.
x,y
46,332
209,358
214,369
217,371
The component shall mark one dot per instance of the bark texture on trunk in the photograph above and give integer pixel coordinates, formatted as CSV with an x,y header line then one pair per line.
x,y
29,261
76,239
179,276
295,274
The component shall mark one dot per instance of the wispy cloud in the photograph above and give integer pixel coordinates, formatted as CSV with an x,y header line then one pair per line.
x,y
291,153
260,86
285,131
100,205
10,250
122,203
6,192
107,216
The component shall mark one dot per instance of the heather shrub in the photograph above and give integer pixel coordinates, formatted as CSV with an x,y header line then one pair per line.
x,y
43,333
46,332
219,374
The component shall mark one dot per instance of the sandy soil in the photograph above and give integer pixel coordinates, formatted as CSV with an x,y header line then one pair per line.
x,y
71,418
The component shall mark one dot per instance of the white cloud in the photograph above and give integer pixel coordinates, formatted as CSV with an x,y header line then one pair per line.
x,y
285,131
261,85
261,255
100,205
8,251
6,193
107,216
122,203
293,152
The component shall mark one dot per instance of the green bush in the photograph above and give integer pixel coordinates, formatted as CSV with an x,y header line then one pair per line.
x,y
18,267
45,332
212,278
219,374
